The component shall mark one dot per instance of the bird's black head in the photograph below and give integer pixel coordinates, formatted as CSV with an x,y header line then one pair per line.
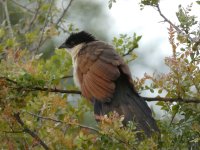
x,y
77,38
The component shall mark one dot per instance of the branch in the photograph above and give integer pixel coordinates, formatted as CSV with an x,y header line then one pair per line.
x,y
13,131
27,9
76,124
9,80
174,26
64,12
60,121
45,25
34,17
4,3
67,76
55,90
149,99
29,88
129,51
31,133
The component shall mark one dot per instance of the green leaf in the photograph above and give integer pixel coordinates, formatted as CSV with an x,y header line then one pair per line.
x,y
151,90
160,91
198,2
175,109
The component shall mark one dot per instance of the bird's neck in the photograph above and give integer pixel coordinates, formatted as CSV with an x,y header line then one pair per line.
x,y
75,50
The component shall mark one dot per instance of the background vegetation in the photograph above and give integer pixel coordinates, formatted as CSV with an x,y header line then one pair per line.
x,y
41,109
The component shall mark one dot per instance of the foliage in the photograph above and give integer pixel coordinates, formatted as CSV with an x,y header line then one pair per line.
x,y
34,109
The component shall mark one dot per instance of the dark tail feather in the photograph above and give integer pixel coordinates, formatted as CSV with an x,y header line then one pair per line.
x,y
128,103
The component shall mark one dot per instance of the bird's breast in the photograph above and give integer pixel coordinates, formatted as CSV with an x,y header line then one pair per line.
x,y
75,74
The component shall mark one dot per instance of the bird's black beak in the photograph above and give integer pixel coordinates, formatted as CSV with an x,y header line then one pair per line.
x,y
62,46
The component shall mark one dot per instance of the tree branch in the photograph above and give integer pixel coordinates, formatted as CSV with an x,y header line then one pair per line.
x,y
27,130
34,16
55,90
149,99
174,26
25,8
4,3
45,25
63,122
64,12
77,124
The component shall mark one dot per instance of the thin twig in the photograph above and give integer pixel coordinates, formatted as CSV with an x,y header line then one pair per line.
x,y
45,25
27,9
150,99
63,122
34,17
68,76
9,80
54,90
64,12
22,131
4,2
27,130
77,124
33,13
129,51
174,26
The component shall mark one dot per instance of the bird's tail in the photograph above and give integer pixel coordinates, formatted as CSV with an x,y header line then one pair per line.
x,y
127,102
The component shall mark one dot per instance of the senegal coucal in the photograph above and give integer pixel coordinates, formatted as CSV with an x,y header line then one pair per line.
x,y
105,79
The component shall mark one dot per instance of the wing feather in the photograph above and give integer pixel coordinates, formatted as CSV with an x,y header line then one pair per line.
x,y
99,67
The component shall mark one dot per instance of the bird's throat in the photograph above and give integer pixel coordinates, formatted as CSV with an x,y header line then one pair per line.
x,y
74,53
75,50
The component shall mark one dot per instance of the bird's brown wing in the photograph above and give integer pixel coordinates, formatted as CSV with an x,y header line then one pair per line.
x,y
98,68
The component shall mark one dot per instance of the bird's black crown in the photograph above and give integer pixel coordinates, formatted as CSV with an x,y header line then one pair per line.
x,y
77,38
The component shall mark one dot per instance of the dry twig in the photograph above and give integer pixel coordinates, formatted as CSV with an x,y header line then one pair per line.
x,y
28,131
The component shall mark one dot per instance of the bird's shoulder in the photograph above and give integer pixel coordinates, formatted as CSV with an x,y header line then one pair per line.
x,y
100,50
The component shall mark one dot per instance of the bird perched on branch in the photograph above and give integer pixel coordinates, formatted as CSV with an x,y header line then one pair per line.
x,y
105,79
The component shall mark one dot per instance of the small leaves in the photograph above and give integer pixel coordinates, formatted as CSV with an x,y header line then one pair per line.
x,y
198,2
125,45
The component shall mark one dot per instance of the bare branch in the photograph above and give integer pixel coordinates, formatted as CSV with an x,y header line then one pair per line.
x,y
25,8
27,130
64,12
55,90
4,3
77,124
149,99
68,76
63,122
13,131
45,25
34,17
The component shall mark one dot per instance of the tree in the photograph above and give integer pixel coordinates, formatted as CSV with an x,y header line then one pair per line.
x,y
38,106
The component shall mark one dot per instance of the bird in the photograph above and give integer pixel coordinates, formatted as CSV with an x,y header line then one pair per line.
x,y
105,79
